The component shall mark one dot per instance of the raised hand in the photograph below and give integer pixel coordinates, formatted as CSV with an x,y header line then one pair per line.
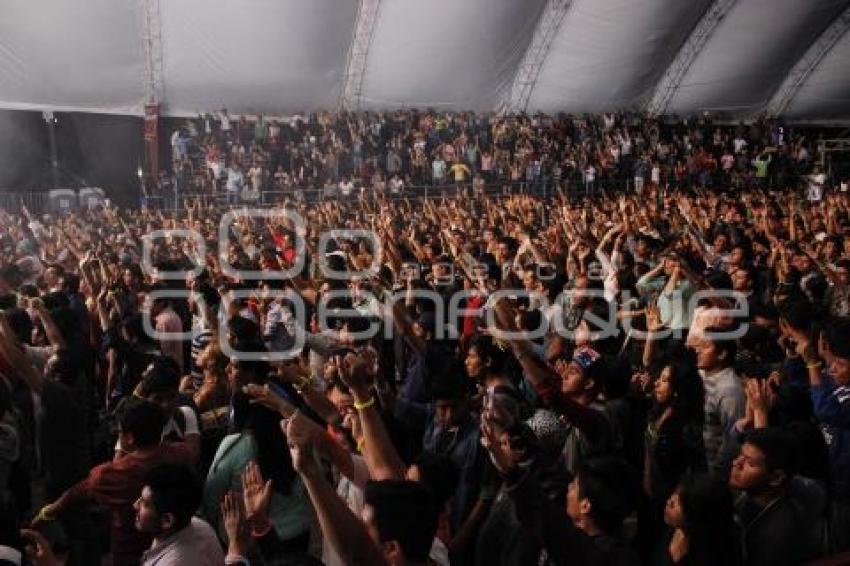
x,y
490,439
802,341
256,494
642,381
266,397
299,440
653,318
231,515
354,371
760,395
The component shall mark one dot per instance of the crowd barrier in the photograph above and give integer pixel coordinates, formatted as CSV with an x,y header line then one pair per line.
x,y
57,201
573,189
69,200
13,201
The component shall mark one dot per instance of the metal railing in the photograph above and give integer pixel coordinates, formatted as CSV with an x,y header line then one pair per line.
x,y
312,196
35,201
38,202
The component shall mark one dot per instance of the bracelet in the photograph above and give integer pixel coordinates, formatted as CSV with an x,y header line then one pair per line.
x,y
262,531
361,444
44,514
814,365
364,405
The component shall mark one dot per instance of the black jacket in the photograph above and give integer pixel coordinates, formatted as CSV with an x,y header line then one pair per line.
x,y
561,542
788,530
676,448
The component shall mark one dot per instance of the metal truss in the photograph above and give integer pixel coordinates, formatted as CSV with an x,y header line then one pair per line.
x,y
801,71
529,70
676,71
152,43
358,52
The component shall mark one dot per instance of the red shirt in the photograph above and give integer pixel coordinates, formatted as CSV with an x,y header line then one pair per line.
x,y
470,323
287,254
117,485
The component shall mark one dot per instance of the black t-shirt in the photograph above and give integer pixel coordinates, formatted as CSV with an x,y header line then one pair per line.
x,y
133,360
64,438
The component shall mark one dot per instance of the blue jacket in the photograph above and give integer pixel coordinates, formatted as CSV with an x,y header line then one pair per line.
x,y
831,404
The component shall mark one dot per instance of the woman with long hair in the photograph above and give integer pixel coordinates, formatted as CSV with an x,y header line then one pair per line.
x,y
259,438
701,529
673,441
673,435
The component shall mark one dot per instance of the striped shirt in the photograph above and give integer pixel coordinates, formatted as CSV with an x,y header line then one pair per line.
x,y
202,335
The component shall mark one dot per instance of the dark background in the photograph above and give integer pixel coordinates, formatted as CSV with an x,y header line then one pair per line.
x,y
98,150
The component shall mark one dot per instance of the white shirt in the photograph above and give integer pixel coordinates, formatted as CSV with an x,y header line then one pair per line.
x,y
190,424
739,144
815,192
438,169
256,174
351,491
235,178
195,544
216,169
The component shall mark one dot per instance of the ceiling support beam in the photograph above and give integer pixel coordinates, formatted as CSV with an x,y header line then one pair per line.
x,y
535,56
351,96
152,45
676,71
810,60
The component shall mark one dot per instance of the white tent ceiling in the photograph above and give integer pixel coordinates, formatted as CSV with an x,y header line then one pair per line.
x,y
282,56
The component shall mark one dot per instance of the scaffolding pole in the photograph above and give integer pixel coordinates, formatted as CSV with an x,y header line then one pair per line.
x,y
693,46
535,56
801,71
351,96
153,85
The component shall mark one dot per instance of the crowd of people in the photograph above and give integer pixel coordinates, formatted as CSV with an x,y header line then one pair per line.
x,y
335,155
649,377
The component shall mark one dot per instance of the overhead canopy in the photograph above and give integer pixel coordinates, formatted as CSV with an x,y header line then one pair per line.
x,y
285,56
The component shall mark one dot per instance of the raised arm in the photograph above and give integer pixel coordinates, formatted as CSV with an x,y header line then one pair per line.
x,y
403,323
54,336
21,365
381,457
324,444
547,383
346,533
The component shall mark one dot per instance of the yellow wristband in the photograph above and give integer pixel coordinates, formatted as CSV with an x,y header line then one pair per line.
x,y
44,514
365,404
814,365
360,444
